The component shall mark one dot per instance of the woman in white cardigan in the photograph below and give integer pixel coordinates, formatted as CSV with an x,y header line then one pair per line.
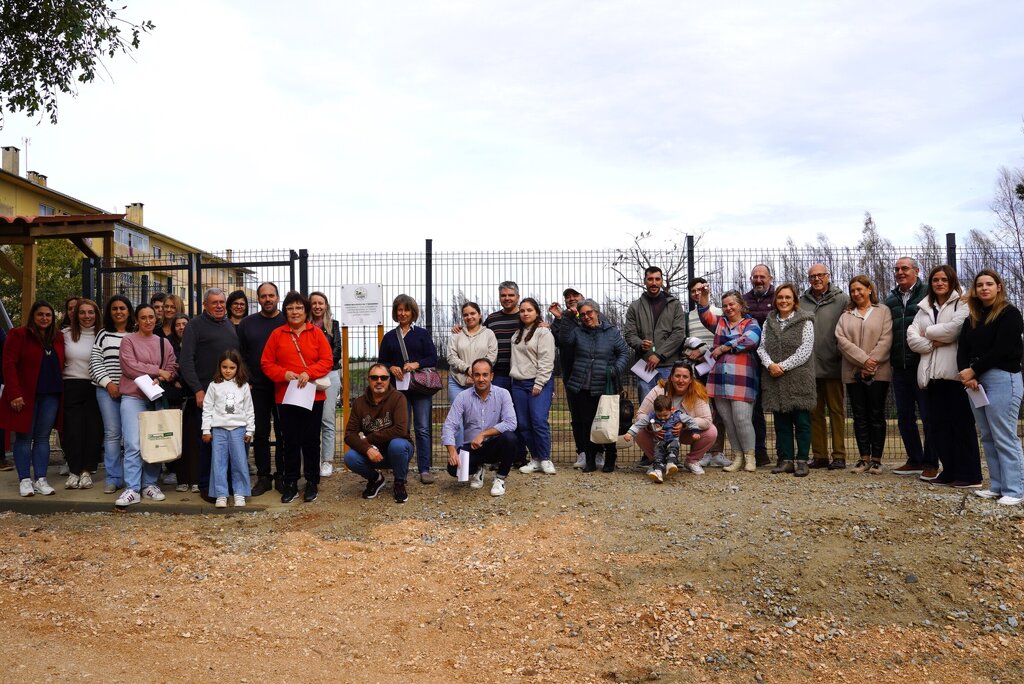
x,y
533,385
934,335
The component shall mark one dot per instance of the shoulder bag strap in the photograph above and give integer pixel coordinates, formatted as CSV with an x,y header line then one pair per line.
x,y
295,341
401,343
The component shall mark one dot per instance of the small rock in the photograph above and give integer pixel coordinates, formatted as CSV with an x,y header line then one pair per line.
x,y
1012,621
910,579
791,624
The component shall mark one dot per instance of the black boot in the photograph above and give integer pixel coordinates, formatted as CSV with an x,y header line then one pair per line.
x,y
591,463
263,485
609,463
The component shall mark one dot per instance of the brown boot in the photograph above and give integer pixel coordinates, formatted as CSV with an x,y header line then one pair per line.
x,y
783,467
801,469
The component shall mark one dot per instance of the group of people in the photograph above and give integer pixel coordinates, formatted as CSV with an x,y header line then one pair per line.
x,y
952,358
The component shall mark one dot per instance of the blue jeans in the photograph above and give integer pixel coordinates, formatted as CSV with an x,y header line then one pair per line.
x,y
419,411
644,388
532,416
997,423
110,411
329,426
909,397
454,390
137,473
229,447
397,456
34,447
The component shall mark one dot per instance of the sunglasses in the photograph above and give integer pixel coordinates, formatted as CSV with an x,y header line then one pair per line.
x,y
379,378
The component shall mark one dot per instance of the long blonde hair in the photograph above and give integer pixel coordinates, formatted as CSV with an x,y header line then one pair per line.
x,y
975,304
328,325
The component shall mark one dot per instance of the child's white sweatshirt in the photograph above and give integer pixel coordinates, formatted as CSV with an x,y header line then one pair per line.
x,y
227,405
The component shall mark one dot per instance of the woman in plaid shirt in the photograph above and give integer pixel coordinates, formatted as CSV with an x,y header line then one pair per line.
x,y
733,382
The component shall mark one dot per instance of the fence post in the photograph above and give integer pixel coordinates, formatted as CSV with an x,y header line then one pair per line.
x,y
87,277
193,268
690,266
170,286
293,256
144,295
428,303
304,271
951,250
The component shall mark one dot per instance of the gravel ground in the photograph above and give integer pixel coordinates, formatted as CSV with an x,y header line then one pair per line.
x,y
568,578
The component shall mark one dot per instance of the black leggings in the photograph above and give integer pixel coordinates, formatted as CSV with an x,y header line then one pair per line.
x,y
583,410
867,402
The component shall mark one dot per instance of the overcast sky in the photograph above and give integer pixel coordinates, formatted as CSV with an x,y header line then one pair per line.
x,y
545,124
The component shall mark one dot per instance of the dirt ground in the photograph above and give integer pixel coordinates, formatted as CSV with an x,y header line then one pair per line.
x,y
567,578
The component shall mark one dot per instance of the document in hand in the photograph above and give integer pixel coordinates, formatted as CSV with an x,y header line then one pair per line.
x,y
300,396
978,397
463,470
403,384
640,370
152,391
705,366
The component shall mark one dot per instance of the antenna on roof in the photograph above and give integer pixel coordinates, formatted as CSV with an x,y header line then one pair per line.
x,y
25,142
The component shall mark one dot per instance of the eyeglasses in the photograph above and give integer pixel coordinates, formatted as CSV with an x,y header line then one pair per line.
x,y
378,378
900,269
587,313
817,276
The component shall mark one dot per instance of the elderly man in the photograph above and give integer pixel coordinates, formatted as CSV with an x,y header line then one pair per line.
x,y
377,435
828,303
253,332
759,300
488,420
206,337
903,301
655,329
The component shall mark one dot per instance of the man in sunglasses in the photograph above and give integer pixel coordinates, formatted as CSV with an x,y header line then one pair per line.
x,y
377,435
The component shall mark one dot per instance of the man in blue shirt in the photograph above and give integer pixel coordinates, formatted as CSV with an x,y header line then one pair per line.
x,y
488,420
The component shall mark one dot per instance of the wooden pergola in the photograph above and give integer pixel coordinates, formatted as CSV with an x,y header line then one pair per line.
x,y
27,230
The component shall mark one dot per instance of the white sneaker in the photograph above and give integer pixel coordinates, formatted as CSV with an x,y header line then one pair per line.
x,y
581,460
548,466
695,468
531,467
222,502
986,494
719,461
170,479
705,460
153,492
41,486
326,469
600,461
654,475
498,488
476,480
195,489
239,501
85,481
181,488
127,498
71,482
1004,501
25,487
64,470
671,468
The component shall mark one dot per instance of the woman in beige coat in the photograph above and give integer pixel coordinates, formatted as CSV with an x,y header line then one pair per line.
x,y
864,336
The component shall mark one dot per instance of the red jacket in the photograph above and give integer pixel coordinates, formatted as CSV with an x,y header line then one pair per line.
x,y
280,356
23,357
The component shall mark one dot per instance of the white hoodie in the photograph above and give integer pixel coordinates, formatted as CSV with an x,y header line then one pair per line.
x,y
229,406
937,324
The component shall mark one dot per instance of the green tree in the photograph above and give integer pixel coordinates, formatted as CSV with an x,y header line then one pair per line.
x,y
49,47
58,276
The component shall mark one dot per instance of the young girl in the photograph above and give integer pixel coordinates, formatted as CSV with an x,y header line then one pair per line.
x,y
229,422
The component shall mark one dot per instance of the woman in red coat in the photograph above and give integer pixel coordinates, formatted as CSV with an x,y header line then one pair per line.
x,y
298,352
33,365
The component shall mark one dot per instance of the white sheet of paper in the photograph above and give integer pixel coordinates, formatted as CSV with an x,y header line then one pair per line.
x,y
705,366
463,466
152,392
403,384
303,397
640,370
978,397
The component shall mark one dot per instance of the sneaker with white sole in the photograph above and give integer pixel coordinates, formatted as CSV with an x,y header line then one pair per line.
x,y
194,489
531,467
326,469
71,482
548,466
498,488
476,480
1006,500
181,488
239,501
110,488
64,469
581,460
671,468
719,461
127,498
654,475
170,479
41,486
695,468
705,461
85,481
600,461
221,502
987,494
25,487
153,492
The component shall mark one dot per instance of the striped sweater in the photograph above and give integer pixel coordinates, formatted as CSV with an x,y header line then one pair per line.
x,y
105,363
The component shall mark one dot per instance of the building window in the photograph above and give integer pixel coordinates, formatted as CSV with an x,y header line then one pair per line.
x,y
46,210
156,251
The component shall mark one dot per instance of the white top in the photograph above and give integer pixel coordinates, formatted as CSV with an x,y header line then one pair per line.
x,y
78,354
229,406
533,360
464,349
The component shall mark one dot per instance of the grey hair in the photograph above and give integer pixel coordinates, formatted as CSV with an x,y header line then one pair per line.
x,y
913,262
509,285
591,303
765,267
212,291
